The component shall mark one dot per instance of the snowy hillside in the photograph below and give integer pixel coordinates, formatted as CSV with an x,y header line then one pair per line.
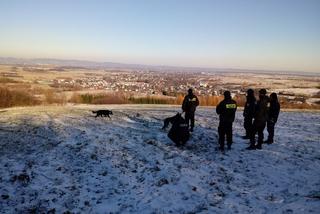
x,y
60,159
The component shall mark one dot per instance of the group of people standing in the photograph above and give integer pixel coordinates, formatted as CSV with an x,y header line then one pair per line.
x,y
257,115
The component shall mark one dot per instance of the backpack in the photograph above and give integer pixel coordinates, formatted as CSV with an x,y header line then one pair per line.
x,y
179,132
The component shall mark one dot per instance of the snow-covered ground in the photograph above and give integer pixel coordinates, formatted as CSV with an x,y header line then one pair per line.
x,y
60,159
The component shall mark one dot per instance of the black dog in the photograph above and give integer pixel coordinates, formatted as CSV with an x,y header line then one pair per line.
x,y
101,113
169,120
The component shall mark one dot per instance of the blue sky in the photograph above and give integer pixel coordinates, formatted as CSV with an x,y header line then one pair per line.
x,y
253,34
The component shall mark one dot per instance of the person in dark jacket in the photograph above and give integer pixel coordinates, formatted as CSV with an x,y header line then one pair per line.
x,y
272,116
226,110
179,132
189,106
248,113
260,120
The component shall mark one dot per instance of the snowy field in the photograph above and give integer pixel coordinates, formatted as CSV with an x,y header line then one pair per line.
x,y
62,159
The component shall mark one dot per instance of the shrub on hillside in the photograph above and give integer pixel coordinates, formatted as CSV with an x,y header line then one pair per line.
x,y
101,98
151,100
7,80
54,98
10,98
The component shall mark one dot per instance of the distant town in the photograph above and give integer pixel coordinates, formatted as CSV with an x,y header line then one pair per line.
x,y
297,90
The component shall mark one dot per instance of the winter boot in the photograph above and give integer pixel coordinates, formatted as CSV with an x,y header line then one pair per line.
x,y
270,141
251,147
259,146
221,149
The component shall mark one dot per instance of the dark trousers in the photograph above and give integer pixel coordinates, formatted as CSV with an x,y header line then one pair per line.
x,y
190,117
258,127
248,125
270,129
225,129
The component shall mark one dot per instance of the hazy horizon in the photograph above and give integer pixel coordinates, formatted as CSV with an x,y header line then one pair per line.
x,y
152,66
264,35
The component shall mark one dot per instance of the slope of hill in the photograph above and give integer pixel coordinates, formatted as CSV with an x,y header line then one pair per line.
x,y
59,159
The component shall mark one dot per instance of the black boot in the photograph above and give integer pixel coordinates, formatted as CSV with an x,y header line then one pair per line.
x,y
221,149
251,147
252,144
270,141
259,146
